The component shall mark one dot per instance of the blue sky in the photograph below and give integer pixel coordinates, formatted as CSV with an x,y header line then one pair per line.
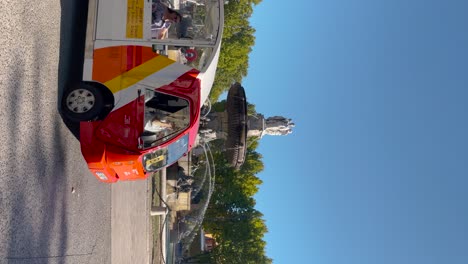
x,y
376,170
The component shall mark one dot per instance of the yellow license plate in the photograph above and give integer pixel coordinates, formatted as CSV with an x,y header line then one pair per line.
x,y
155,160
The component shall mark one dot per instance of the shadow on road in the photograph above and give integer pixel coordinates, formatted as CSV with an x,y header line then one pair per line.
x,y
38,204
72,43
37,197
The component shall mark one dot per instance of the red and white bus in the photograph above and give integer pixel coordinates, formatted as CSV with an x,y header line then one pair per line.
x,y
140,99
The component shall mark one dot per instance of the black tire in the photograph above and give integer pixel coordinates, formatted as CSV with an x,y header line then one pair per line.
x,y
82,102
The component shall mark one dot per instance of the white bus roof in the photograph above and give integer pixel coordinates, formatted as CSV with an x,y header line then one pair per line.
x,y
208,74
207,77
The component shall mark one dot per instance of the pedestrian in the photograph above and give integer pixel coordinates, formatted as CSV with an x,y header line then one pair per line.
x,y
162,19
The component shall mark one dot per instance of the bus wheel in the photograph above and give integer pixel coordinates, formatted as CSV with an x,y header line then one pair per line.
x,y
82,102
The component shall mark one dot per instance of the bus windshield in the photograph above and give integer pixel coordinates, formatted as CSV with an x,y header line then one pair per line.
x,y
166,116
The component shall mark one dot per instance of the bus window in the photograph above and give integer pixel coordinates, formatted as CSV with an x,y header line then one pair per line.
x,y
197,20
165,117
195,57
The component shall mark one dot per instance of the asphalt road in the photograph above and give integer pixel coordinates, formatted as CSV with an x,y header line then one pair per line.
x,y
51,209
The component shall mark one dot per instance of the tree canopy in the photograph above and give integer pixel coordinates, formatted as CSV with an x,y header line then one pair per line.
x,y
231,216
238,39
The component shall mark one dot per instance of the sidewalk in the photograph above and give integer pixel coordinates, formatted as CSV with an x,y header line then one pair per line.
x,y
130,222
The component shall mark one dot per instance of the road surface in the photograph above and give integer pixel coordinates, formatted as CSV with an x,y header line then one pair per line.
x,y
52,210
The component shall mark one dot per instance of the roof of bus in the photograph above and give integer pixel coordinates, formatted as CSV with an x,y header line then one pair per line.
x,y
207,76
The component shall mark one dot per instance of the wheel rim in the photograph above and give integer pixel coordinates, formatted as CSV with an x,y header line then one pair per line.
x,y
80,101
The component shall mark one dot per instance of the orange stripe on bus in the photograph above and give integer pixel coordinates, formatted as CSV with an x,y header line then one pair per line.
x,y
138,55
138,73
130,57
111,62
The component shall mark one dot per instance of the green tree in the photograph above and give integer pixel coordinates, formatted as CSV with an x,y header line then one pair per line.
x,y
238,39
231,216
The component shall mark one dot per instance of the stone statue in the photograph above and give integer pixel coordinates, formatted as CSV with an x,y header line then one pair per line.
x,y
258,126
278,126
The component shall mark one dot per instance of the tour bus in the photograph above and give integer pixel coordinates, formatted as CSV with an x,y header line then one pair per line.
x,y
139,102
